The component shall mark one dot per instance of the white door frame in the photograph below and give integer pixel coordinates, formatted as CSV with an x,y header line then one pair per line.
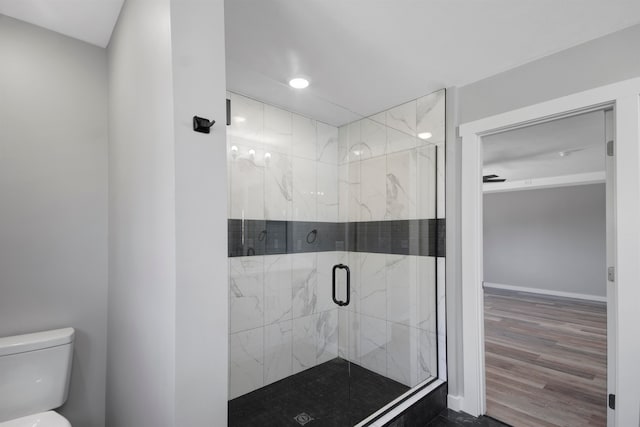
x,y
625,368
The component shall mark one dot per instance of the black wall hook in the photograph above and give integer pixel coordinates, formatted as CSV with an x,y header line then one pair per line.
x,y
200,124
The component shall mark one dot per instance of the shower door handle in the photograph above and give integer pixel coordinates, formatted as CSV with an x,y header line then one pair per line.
x,y
346,268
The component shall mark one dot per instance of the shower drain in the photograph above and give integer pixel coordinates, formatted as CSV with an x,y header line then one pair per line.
x,y
303,418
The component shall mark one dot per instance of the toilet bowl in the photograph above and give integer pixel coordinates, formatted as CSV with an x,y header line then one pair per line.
x,y
43,419
35,371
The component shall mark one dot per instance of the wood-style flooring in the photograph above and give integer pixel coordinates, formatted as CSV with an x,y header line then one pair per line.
x,y
546,360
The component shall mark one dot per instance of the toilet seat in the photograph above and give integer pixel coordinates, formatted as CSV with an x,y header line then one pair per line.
x,y
42,419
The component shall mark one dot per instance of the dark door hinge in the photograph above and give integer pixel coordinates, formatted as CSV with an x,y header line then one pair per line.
x,y
610,148
612,401
228,112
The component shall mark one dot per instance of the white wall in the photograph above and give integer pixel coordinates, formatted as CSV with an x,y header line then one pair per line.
x,y
550,239
53,187
595,63
167,294
199,84
142,271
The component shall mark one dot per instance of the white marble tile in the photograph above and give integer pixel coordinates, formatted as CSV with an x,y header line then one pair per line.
x,y
426,181
428,356
278,290
304,137
431,116
327,192
278,130
373,340
403,118
278,186
246,362
349,335
401,289
278,350
355,191
354,141
353,260
304,343
246,293
247,122
343,192
343,144
354,351
304,284
246,171
326,335
326,261
304,189
426,294
400,141
327,143
373,286
357,148
373,138
402,353
349,189
402,185
373,189
343,339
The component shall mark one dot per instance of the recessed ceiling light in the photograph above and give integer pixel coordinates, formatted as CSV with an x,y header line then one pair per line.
x,y
425,135
299,83
239,119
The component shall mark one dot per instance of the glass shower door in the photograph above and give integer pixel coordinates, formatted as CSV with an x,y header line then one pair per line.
x,y
335,245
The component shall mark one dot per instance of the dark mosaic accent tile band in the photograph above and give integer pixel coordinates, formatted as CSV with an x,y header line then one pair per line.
x,y
422,237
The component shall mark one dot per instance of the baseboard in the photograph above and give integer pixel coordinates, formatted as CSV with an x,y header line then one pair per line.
x,y
546,292
454,402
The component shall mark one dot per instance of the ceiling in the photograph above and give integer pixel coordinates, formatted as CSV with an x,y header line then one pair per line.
x,y
91,21
364,56
534,151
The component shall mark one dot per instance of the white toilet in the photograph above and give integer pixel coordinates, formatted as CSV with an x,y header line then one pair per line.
x,y
34,378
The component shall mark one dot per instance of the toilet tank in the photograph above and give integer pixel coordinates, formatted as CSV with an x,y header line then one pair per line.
x,y
34,372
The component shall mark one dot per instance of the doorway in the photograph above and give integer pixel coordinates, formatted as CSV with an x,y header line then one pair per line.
x,y
545,272
622,294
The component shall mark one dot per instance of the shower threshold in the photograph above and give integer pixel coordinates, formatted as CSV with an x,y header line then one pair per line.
x,y
333,394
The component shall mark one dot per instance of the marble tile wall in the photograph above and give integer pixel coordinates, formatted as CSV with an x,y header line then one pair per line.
x,y
285,167
282,318
391,167
390,326
282,166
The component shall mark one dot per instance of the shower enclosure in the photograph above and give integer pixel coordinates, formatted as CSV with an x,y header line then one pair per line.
x,y
336,261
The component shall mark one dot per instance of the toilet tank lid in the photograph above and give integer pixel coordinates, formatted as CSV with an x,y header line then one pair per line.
x,y
35,341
